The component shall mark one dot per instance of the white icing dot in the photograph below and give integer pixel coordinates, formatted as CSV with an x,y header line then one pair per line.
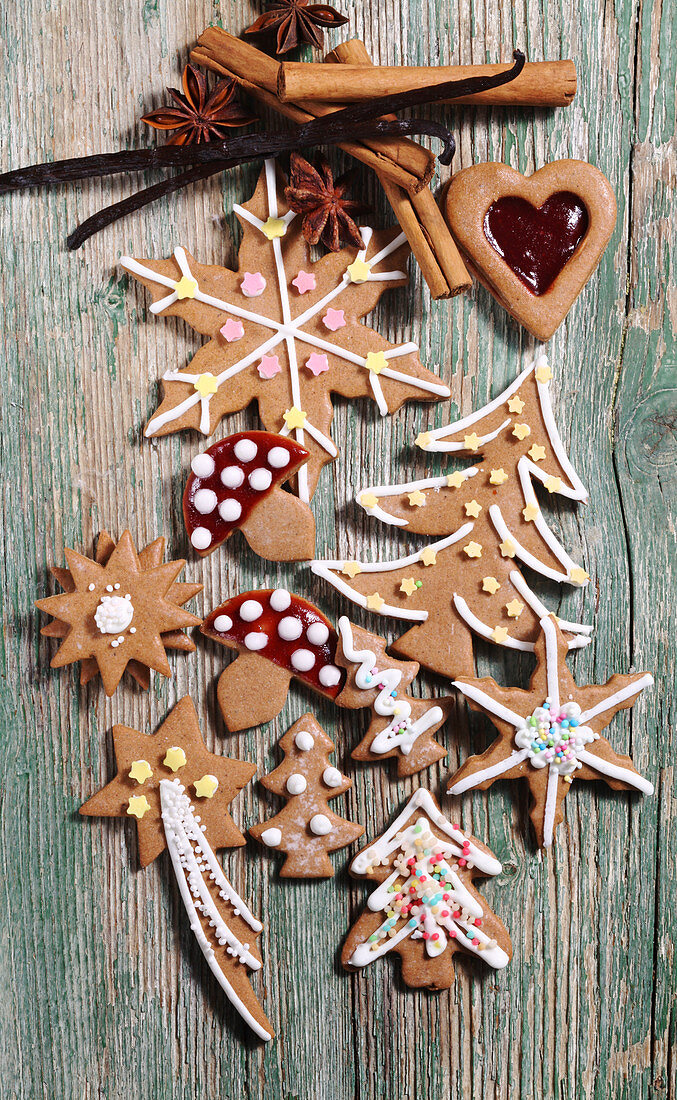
x,y
256,640
232,477
222,623
290,628
260,480
250,610
296,784
230,510
109,588
317,633
302,660
203,465
201,538
205,501
116,586
271,837
320,825
304,740
278,457
245,450
280,599
332,777
113,614
330,676
91,587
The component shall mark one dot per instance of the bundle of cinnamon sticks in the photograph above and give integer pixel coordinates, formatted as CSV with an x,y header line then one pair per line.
x,y
301,91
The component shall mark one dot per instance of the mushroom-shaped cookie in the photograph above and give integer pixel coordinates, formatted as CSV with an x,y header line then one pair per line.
x,y
236,483
279,636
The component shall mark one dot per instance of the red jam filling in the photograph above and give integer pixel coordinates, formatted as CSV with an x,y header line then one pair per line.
x,y
536,242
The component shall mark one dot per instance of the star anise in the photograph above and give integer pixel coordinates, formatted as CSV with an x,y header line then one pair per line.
x,y
326,211
297,21
198,118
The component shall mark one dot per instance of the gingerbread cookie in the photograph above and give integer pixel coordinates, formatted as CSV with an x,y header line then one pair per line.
x,y
468,582
532,242
279,637
306,829
120,611
425,906
551,734
401,726
236,484
284,331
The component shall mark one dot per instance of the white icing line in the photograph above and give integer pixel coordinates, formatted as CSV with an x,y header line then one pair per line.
x,y
617,697
472,781
130,264
541,610
480,414
482,699
551,664
549,808
448,448
320,437
614,771
506,534
579,490
524,467
378,393
421,383
486,631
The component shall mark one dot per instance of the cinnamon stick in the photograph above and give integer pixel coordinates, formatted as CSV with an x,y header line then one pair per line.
x,y
409,165
540,84
418,215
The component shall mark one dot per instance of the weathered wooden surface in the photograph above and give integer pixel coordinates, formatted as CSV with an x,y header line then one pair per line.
x,y
104,992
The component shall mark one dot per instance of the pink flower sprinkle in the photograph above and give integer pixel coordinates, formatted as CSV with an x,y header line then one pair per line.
x,y
253,284
232,330
269,366
317,364
334,319
304,282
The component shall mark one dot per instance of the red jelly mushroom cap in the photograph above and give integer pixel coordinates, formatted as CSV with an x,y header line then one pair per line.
x,y
229,479
285,629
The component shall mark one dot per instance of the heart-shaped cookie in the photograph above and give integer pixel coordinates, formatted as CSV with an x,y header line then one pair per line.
x,y
533,241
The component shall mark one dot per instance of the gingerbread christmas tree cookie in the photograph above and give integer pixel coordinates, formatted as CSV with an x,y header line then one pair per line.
x,y
122,610
283,331
306,829
551,734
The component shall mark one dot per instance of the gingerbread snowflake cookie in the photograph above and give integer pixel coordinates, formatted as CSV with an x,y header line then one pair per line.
x,y
550,735
283,331
122,610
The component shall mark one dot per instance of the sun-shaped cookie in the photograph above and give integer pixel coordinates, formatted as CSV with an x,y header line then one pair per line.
x,y
120,610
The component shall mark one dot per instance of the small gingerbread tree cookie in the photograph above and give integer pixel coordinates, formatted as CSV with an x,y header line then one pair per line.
x,y
306,829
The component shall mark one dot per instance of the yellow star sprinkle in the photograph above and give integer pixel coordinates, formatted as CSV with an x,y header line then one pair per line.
x,y
507,549
138,805
185,288
205,384
140,770
454,481
175,758
294,417
359,271
543,373
368,500
416,499
376,361
206,787
351,569
408,586
578,575
472,508
553,484
521,431
274,227
530,512
472,442
536,453
515,404
497,477
514,609
499,634
423,439
490,585
473,550
428,556
375,602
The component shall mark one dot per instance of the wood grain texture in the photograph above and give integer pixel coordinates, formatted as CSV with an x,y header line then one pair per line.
x,y
104,991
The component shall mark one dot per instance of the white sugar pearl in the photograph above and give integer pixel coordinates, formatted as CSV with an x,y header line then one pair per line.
x,y
302,660
250,610
203,465
290,628
332,777
245,450
330,676
278,457
271,837
260,480
205,501
304,740
230,510
296,784
320,825
255,641
280,599
232,477
201,538
222,623
317,633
